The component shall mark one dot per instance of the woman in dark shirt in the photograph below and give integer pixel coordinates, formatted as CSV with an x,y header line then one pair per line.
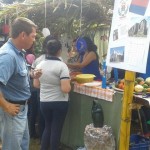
x,y
90,62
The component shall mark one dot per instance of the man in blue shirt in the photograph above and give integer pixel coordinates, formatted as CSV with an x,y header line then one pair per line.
x,y
14,85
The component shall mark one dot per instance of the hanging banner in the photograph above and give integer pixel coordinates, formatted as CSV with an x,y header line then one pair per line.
x,y
130,35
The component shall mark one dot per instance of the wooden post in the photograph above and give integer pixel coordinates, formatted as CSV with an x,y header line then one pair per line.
x,y
126,111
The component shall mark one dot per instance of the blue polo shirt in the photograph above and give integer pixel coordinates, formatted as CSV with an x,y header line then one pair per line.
x,y
14,78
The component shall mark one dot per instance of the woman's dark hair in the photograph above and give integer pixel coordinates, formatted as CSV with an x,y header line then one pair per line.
x,y
90,45
44,44
47,38
53,46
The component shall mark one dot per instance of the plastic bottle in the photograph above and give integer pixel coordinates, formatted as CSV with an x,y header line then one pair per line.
x,y
116,75
104,75
97,115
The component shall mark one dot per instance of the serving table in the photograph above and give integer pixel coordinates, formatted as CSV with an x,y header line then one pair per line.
x,y
79,113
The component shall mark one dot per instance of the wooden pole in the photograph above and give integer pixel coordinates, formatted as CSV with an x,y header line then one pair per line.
x,y
126,111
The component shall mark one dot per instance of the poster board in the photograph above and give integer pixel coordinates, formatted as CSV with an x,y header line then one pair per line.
x,y
130,35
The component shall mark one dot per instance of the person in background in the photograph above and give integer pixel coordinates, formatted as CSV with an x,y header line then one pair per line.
x,y
43,53
54,87
69,52
42,56
74,57
29,56
73,53
108,71
90,62
33,100
145,110
147,74
14,85
121,73
41,122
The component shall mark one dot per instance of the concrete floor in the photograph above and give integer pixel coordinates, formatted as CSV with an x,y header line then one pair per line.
x,y
35,145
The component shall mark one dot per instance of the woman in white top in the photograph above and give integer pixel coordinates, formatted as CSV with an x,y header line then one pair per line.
x,y
54,86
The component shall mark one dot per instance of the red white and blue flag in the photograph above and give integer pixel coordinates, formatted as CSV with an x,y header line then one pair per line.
x,y
138,6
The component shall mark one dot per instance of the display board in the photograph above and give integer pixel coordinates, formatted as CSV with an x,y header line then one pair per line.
x,y
130,35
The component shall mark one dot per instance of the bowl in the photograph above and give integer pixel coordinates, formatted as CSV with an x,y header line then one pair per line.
x,y
85,78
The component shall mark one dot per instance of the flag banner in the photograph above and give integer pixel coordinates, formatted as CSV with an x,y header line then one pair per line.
x,y
138,6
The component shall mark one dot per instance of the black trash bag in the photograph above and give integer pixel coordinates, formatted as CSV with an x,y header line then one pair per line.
x,y
97,115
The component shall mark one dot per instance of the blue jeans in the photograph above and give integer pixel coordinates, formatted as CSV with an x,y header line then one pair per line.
x,y
54,114
15,133
32,113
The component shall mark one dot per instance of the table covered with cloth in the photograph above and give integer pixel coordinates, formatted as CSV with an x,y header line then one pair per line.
x,y
94,91
79,113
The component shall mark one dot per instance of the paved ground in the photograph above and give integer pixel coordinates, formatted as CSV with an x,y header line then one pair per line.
x,y
35,145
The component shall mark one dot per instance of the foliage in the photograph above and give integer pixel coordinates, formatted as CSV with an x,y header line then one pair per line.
x,y
63,16
11,1
38,44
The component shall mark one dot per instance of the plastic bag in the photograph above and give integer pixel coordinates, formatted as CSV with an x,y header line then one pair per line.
x,y
99,138
97,114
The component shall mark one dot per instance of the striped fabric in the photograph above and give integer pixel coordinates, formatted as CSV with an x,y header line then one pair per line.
x,y
97,92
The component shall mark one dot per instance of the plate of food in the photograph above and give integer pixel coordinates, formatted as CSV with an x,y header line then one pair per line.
x,y
94,83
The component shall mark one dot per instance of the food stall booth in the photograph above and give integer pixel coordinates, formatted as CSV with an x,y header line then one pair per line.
x,y
79,113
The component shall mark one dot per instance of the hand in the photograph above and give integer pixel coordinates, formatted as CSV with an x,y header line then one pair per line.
x,y
12,109
37,73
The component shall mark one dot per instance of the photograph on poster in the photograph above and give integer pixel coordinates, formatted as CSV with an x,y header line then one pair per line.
x,y
138,7
117,54
139,29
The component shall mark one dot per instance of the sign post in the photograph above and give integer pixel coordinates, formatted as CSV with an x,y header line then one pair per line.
x,y
128,50
126,111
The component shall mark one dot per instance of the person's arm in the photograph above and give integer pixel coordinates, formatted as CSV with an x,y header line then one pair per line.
x,y
7,68
87,60
65,85
12,109
64,79
35,73
36,83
